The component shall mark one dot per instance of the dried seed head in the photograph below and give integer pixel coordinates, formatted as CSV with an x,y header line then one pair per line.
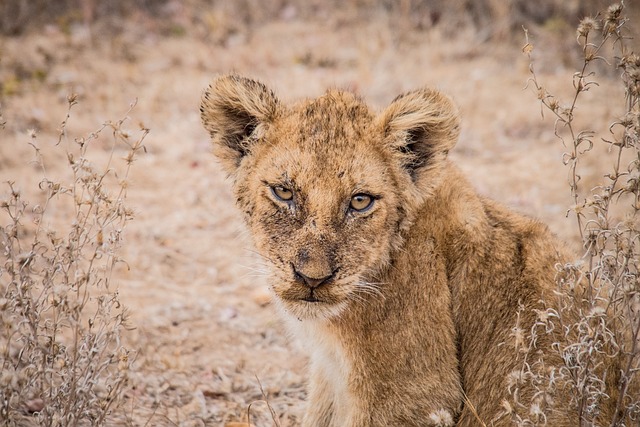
x,y
586,26
535,410
629,60
612,19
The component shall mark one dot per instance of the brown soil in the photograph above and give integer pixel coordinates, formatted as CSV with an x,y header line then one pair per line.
x,y
211,347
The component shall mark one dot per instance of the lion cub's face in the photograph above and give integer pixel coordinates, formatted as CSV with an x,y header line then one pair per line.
x,y
324,206
327,187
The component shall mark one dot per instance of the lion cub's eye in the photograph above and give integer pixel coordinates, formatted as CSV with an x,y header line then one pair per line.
x,y
281,193
361,202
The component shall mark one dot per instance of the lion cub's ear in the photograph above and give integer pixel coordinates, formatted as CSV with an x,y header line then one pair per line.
x,y
421,126
235,110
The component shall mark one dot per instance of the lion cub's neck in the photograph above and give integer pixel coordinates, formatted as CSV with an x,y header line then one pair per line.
x,y
330,367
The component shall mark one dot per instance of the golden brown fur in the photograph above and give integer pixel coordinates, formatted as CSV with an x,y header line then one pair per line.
x,y
406,304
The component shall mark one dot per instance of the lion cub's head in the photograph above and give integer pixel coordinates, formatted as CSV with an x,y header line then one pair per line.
x,y
327,185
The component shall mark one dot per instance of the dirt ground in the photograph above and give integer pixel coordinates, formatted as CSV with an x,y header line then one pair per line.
x,y
210,345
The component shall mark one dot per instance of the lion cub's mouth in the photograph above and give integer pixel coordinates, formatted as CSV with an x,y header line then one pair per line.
x,y
304,301
296,294
311,297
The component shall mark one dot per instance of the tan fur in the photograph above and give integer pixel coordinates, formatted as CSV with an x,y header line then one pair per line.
x,y
422,290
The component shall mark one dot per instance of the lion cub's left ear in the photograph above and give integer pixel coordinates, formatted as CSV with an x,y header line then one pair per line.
x,y
421,127
235,110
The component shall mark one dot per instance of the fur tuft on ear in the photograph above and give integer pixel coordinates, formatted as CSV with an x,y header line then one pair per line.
x,y
422,126
235,110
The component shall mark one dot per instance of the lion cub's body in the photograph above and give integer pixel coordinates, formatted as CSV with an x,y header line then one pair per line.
x,y
404,285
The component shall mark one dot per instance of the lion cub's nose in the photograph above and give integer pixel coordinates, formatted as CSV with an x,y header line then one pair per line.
x,y
312,282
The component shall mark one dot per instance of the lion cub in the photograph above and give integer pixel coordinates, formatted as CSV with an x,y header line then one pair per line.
x,y
403,283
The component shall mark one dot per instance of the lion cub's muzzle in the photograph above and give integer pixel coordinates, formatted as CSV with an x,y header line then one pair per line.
x,y
312,293
313,281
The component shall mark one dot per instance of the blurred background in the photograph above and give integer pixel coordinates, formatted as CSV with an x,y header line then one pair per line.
x,y
217,19
208,342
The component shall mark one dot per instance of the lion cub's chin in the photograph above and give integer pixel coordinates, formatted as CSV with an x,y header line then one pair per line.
x,y
305,310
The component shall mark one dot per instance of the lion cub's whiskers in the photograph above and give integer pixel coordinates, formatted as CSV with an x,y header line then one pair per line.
x,y
371,288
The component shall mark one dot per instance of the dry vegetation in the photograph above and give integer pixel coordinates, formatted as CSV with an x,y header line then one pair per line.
x,y
200,342
63,363
602,286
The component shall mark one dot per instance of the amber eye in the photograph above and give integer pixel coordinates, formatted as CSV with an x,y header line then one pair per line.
x,y
281,193
361,202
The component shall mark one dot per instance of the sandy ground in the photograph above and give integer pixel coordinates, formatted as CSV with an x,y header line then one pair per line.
x,y
209,342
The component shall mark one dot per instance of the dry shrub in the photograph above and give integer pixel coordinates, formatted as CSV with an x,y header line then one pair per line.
x,y
62,361
595,321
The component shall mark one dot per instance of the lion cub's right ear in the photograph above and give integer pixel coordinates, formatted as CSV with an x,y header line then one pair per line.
x,y
235,110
